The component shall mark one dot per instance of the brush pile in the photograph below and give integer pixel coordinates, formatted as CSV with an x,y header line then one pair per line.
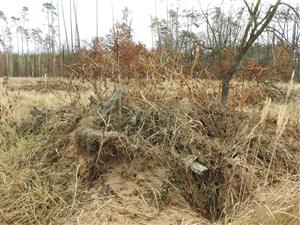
x,y
54,162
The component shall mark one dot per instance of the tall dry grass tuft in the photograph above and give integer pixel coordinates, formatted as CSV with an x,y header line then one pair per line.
x,y
276,205
282,122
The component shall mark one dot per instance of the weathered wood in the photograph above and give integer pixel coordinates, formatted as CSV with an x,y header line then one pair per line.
x,y
106,107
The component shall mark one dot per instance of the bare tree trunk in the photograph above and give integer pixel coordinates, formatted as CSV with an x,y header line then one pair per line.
x,y
18,47
65,27
97,18
58,24
227,78
76,24
59,39
157,26
71,27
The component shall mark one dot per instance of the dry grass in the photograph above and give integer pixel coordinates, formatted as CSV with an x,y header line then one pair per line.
x,y
21,102
275,205
69,163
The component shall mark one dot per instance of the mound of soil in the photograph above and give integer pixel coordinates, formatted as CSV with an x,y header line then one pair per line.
x,y
118,162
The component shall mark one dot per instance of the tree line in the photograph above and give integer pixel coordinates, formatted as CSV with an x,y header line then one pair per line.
x,y
255,41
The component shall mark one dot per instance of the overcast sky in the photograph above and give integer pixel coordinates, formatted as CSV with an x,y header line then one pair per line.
x,y
141,12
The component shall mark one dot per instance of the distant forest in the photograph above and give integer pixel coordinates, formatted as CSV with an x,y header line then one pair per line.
x,y
202,43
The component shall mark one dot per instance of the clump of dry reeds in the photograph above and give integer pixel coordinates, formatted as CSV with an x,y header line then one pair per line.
x,y
273,205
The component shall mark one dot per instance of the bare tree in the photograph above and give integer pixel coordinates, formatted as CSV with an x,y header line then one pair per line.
x,y
256,25
288,35
51,12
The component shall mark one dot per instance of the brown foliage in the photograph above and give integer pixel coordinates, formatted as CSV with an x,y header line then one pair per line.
x,y
129,58
220,62
253,70
283,61
98,62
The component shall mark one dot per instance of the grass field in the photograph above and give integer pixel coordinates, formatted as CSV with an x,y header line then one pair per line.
x,y
67,159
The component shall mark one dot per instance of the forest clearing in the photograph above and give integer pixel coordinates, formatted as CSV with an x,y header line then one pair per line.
x,y
201,128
